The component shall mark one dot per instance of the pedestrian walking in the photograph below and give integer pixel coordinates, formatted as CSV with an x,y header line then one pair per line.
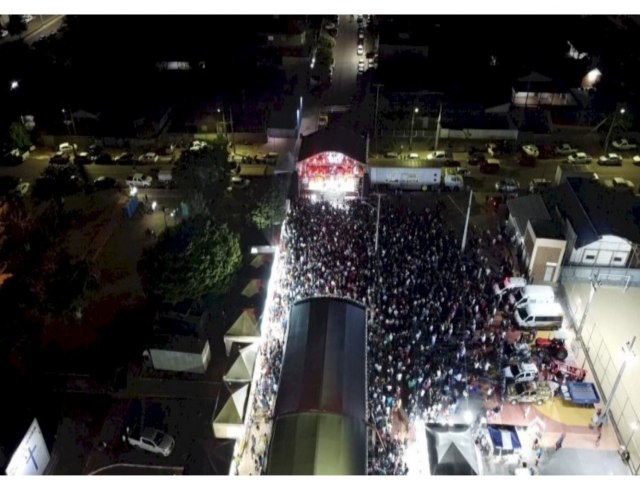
x,y
560,441
596,417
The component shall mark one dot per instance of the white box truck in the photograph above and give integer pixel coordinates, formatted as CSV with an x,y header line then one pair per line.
x,y
416,178
541,316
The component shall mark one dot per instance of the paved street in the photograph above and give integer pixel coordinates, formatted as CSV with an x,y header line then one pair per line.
x,y
343,84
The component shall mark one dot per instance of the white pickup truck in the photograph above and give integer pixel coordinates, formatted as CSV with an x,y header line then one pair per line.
x,y
149,439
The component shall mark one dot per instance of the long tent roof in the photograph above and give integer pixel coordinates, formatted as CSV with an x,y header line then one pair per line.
x,y
451,450
318,444
320,414
324,361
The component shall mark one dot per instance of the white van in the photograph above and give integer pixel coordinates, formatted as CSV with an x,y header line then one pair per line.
x,y
545,316
508,283
524,372
532,294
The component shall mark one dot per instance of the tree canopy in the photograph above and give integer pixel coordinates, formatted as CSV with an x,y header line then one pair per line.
x,y
196,257
270,209
16,25
19,135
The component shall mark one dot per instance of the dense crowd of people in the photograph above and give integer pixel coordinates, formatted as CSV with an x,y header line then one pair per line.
x,y
432,333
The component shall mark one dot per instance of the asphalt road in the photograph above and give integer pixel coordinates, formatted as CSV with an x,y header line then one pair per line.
x,y
42,26
343,84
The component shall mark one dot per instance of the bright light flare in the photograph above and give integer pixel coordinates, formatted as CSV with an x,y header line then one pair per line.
x,y
133,191
468,416
14,84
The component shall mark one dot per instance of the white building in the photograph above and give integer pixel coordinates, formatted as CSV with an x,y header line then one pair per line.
x,y
602,227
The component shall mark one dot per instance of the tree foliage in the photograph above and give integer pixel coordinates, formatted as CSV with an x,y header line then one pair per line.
x,y
194,258
57,182
270,209
16,25
203,172
19,136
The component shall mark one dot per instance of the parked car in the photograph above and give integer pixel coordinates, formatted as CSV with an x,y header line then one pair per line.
x,y
439,155
238,182
360,50
531,150
59,158
611,159
477,158
490,166
465,172
139,180
82,158
619,184
104,158
105,183
94,149
538,185
624,144
149,157
579,158
636,160
22,189
507,185
523,372
565,149
360,66
198,145
66,147
528,392
125,158
449,162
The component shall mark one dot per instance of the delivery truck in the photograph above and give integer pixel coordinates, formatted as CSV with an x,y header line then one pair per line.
x,y
416,178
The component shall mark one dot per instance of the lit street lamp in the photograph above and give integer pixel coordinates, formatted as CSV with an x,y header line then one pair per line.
x,y
14,84
619,111
413,117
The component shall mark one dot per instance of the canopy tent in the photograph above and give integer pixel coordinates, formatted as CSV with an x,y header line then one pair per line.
x,y
242,369
504,438
253,288
259,260
314,443
451,450
324,362
244,330
229,422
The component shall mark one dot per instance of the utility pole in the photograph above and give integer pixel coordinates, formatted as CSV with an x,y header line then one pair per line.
x,y
628,354
375,121
413,117
233,135
438,128
595,283
378,223
620,110
466,222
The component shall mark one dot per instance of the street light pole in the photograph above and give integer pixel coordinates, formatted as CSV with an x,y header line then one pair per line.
x,y
595,284
628,352
435,147
466,222
377,223
233,135
413,116
375,120
613,122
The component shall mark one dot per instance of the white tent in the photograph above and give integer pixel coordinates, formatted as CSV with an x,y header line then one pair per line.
x,y
253,288
229,422
242,369
244,330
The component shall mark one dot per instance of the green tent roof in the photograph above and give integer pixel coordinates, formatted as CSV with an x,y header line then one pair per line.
x,y
317,444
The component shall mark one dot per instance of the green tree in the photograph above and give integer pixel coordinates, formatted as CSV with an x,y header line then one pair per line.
x,y
200,173
19,135
57,182
270,209
194,258
16,25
